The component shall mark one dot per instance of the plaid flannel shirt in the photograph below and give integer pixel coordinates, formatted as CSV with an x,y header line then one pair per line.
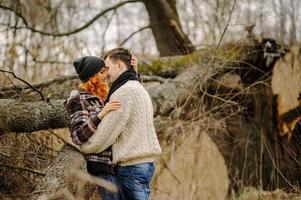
x,y
83,108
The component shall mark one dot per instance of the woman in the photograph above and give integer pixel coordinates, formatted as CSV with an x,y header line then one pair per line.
x,y
86,109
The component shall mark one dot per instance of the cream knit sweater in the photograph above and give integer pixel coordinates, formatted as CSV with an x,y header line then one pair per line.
x,y
129,129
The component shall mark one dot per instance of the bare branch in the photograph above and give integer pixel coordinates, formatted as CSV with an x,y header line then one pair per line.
x,y
131,35
41,84
89,23
28,84
226,27
18,14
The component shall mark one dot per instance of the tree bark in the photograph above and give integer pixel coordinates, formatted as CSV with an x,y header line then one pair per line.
x,y
16,116
166,27
56,174
282,21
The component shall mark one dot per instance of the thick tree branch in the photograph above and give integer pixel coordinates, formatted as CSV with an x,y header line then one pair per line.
x,y
16,116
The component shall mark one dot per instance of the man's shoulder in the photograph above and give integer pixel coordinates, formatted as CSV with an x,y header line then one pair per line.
x,y
130,85
128,88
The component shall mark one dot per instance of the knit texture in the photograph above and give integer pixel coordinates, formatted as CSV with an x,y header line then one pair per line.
x,y
129,129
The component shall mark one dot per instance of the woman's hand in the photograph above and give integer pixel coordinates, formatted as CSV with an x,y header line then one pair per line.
x,y
134,62
111,105
69,141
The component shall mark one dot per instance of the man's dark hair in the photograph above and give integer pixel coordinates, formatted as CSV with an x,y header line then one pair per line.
x,y
120,54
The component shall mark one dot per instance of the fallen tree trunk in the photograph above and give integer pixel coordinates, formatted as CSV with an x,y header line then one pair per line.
x,y
16,116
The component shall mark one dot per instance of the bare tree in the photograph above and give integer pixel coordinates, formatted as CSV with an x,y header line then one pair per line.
x,y
282,21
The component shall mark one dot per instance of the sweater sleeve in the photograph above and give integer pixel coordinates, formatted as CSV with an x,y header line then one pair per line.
x,y
111,126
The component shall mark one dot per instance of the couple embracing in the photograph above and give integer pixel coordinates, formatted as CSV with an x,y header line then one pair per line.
x,y
114,126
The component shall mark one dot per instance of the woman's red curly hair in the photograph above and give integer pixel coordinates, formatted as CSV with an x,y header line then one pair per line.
x,y
97,86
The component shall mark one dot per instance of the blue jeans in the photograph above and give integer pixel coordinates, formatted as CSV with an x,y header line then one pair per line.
x,y
134,181
105,194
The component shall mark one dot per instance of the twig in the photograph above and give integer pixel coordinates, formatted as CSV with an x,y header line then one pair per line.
x,y
23,195
41,84
28,84
16,13
274,164
201,77
13,85
24,169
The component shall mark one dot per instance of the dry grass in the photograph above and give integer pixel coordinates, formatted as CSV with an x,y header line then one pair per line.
x,y
250,193
23,157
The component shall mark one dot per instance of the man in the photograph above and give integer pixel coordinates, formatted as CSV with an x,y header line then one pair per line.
x,y
129,129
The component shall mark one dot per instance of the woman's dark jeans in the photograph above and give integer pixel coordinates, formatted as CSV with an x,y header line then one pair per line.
x,y
105,194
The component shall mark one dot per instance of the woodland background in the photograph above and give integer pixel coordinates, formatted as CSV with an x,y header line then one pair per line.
x,y
224,76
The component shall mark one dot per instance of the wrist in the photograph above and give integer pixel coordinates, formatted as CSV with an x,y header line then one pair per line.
x,y
100,115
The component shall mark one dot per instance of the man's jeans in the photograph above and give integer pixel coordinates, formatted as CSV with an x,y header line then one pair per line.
x,y
134,181
105,194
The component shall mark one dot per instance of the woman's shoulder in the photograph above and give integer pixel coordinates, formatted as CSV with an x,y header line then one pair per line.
x,y
72,99
74,93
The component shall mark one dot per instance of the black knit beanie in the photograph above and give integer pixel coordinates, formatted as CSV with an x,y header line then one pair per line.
x,y
87,66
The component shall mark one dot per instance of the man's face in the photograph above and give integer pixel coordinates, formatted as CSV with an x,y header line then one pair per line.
x,y
103,74
114,69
